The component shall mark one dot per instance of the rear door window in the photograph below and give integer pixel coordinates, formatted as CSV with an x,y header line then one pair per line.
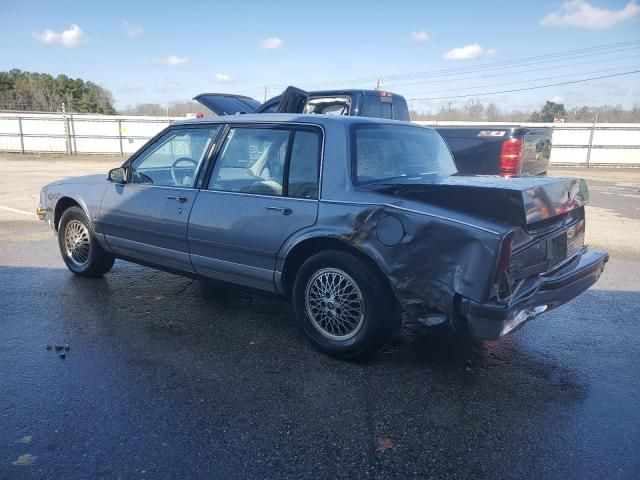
x,y
252,160
304,164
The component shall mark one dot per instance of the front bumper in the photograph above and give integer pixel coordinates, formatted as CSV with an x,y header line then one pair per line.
x,y
494,320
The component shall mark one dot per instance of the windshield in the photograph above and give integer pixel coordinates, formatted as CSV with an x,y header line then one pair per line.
x,y
398,154
328,105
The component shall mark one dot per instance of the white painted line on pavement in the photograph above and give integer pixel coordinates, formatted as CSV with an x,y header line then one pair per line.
x,y
15,210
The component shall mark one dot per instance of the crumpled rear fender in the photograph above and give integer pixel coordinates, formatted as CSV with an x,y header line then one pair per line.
x,y
427,260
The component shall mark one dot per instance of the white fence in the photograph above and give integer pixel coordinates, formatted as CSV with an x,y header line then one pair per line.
x,y
77,133
573,143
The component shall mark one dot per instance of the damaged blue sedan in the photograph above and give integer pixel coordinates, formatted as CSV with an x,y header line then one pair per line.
x,y
360,222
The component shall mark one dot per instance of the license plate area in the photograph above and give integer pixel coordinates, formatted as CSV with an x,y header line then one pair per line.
x,y
557,249
566,244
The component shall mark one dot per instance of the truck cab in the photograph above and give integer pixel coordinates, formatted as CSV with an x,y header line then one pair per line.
x,y
351,102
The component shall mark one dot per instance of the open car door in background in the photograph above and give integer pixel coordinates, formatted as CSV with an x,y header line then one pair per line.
x,y
292,100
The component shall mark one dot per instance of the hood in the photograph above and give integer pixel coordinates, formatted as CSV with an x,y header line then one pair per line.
x,y
227,104
511,201
96,179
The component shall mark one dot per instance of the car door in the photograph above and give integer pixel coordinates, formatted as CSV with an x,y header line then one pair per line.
x,y
146,217
263,188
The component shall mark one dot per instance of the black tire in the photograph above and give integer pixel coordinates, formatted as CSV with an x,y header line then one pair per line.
x,y
94,261
376,323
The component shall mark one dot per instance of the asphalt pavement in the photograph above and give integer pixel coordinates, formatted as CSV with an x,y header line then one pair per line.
x,y
168,378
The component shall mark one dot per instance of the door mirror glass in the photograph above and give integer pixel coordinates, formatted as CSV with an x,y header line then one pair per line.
x,y
118,175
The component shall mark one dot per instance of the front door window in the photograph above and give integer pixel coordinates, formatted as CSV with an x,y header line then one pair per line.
x,y
174,159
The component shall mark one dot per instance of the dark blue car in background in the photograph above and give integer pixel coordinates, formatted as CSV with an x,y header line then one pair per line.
x,y
350,102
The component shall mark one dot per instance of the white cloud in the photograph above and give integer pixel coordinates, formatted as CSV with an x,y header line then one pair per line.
x,y
469,52
132,30
581,14
420,36
556,99
71,37
223,77
172,61
271,43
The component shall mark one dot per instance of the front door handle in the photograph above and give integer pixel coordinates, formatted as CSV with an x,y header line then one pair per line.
x,y
178,199
283,210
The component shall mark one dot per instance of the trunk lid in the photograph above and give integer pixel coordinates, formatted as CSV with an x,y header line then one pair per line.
x,y
527,202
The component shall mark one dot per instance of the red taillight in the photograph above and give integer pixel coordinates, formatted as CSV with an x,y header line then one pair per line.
x,y
511,157
385,94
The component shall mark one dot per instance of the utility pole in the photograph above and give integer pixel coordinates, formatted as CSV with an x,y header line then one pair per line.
x,y
266,89
379,84
593,129
65,123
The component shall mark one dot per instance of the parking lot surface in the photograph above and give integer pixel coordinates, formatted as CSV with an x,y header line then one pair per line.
x,y
168,378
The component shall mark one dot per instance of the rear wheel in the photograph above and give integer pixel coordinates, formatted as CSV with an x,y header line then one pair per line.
x,y
344,306
79,248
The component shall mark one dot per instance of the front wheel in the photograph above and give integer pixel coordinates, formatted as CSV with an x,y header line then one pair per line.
x,y
79,248
345,307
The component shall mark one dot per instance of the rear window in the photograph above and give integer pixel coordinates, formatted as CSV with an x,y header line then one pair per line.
x,y
374,107
398,153
339,105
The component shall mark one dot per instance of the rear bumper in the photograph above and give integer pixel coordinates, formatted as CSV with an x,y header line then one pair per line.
x,y
493,320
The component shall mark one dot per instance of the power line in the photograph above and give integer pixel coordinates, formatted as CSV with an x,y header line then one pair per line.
x,y
528,88
514,72
589,51
522,81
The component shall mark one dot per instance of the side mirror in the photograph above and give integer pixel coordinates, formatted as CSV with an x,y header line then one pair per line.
x,y
118,175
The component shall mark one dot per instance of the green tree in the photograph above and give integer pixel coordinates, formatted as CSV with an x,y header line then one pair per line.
x,y
549,112
42,92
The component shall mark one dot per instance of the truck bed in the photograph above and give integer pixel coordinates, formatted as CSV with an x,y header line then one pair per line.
x,y
478,149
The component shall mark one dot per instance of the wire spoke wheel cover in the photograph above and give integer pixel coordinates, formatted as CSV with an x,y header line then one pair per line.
x,y
77,243
334,304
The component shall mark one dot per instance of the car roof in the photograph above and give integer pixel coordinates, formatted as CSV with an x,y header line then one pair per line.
x,y
314,119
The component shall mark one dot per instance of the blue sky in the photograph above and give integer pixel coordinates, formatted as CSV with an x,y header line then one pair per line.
x,y
163,51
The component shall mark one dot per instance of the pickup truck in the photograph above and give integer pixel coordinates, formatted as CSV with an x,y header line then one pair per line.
x,y
509,151
350,102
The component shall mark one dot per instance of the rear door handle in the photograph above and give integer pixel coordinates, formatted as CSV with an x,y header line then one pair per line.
x,y
178,199
283,210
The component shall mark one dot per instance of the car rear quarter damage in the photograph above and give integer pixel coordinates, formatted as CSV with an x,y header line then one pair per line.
x,y
428,260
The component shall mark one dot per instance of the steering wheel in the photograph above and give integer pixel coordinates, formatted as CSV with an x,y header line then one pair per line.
x,y
175,164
